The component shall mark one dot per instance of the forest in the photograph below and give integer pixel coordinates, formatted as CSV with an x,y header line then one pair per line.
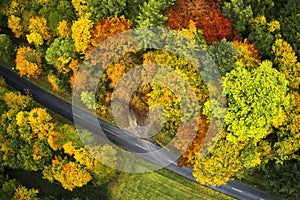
x,y
255,45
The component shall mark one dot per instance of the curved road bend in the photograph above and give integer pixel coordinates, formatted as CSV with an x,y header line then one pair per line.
x,y
123,139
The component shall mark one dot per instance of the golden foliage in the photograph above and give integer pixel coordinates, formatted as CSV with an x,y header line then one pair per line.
x,y
52,81
115,72
70,174
63,29
273,26
14,23
34,124
28,62
35,38
83,157
38,30
16,101
38,119
38,154
257,22
284,55
53,140
248,54
81,34
106,28
15,7
224,161
61,64
80,7
74,66
286,149
43,2
69,148
22,193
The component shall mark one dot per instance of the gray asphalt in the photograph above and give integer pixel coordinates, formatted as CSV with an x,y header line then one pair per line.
x,y
123,138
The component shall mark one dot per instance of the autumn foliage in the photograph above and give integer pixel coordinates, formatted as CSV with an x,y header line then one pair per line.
x,y
81,34
106,28
38,30
260,73
190,153
207,16
28,62
248,54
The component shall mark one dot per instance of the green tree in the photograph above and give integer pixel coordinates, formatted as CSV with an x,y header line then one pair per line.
x,y
60,53
7,50
133,8
103,9
151,14
223,54
290,23
55,12
283,180
263,40
240,12
255,100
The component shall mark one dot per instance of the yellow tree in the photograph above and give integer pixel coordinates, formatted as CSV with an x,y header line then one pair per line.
x,y
248,54
286,61
63,29
81,34
14,23
22,193
38,30
71,175
28,62
228,159
80,7
288,132
283,55
17,101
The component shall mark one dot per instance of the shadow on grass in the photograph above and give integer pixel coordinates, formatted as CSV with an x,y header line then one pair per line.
x,y
47,189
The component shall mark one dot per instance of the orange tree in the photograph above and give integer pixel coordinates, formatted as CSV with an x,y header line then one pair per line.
x,y
28,62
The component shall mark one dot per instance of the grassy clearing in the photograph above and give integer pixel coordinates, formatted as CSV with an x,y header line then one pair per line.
x,y
147,186
162,184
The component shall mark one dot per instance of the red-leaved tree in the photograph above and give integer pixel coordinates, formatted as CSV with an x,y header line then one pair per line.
x,y
207,16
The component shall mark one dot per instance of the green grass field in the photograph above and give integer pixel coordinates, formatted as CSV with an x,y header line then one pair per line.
x,y
163,184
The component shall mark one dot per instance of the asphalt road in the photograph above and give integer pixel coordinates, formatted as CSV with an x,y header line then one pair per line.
x,y
123,139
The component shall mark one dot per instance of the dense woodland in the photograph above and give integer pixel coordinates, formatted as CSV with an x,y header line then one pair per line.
x,y
254,43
